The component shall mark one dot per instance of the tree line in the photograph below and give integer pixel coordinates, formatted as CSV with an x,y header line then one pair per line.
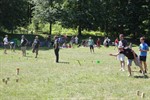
x,y
110,16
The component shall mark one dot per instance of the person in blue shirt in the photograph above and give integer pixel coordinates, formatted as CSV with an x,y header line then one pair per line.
x,y
143,48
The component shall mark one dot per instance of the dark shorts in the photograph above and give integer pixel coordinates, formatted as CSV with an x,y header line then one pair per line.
x,y
6,46
35,50
143,58
91,47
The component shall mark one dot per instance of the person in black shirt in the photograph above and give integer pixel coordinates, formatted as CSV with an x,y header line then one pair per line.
x,y
23,45
56,49
35,45
132,56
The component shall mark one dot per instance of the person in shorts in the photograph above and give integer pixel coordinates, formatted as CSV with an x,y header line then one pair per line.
x,y
6,44
36,45
132,56
143,48
12,46
121,56
91,44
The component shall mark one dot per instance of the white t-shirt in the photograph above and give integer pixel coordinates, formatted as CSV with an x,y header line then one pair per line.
x,y
76,39
5,41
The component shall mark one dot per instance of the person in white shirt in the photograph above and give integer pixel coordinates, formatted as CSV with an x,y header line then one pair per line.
x,y
121,57
76,39
6,43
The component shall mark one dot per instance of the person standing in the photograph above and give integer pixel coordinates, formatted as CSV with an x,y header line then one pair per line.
x,y
6,43
56,48
98,42
36,45
76,39
24,43
116,43
143,48
49,41
91,44
121,56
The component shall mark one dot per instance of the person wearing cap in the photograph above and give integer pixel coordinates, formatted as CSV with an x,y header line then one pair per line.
x,y
56,48
6,43
36,45
91,44
143,48
23,45
132,56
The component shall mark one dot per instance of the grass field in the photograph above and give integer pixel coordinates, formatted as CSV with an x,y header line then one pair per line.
x,y
43,79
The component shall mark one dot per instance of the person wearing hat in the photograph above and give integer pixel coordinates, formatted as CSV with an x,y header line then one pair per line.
x,y
6,43
132,56
91,44
23,45
36,45
56,48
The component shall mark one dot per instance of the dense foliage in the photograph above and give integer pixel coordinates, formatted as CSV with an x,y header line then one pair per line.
x,y
110,16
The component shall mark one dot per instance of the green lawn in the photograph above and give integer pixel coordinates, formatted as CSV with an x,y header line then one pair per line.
x,y
43,79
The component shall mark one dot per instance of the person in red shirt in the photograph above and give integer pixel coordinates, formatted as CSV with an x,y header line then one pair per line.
x,y
116,43
98,42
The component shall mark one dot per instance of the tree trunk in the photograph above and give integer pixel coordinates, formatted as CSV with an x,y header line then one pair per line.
x,y
79,30
50,28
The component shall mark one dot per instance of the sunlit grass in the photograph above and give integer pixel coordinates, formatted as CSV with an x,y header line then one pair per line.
x,y
43,79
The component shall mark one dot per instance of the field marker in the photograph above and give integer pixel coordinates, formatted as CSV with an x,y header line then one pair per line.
x,y
17,71
3,80
17,80
79,62
138,93
8,78
142,95
6,82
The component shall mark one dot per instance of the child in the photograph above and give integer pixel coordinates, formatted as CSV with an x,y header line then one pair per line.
x,y
132,56
91,43
143,53
36,45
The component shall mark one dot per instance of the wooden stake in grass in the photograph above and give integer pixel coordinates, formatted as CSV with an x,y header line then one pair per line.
x,y
142,95
6,82
17,80
8,78
3,80
79,62
138,93
17,71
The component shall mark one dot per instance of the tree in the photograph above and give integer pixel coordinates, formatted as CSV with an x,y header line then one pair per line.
x,y
47,11
13,13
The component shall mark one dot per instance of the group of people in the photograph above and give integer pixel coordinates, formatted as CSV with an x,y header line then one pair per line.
x,y
125,50
23,45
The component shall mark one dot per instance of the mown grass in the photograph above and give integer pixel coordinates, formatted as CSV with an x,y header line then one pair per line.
x,y
43,79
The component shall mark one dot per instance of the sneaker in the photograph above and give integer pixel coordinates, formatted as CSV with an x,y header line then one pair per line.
x,y
120,69
143,73
123,69
129,75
